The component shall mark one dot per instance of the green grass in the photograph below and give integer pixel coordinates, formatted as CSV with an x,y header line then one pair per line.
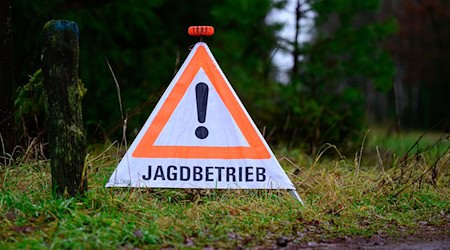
x,y
413,141
343,197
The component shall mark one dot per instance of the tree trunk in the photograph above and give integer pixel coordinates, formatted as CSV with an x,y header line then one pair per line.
x,y
7,128
296,49
64,92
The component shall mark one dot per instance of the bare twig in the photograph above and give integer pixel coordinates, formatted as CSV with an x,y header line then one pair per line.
x,y
124,119
423,174
380,159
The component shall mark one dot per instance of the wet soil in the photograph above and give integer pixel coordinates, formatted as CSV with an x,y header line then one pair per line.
x,y
426,237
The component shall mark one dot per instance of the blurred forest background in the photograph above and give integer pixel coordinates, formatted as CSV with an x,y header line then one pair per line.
x,y
377,62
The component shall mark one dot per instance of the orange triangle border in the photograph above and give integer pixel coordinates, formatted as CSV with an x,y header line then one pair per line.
x,y
201,59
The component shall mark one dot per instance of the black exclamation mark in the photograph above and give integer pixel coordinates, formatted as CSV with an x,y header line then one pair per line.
x,y
201,92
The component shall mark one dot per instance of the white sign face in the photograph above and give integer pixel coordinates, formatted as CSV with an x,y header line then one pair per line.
x,y
216,116
200,136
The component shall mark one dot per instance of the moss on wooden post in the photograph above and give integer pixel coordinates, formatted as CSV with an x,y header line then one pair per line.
x,y
65,123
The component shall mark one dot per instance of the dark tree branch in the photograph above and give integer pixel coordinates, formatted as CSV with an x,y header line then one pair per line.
x,y
7,128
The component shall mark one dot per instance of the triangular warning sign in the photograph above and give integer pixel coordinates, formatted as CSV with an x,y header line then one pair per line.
x,y
201,69
200,136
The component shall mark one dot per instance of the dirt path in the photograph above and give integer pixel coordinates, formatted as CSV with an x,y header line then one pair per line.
x,y
437,242
426,237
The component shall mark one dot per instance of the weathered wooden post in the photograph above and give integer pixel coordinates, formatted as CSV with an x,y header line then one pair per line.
x,y
64,92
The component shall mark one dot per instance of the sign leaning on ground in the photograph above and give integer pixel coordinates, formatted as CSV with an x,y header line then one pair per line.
x,y
200,136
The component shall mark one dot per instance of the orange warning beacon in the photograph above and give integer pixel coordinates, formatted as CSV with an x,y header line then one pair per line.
x,y
201,30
